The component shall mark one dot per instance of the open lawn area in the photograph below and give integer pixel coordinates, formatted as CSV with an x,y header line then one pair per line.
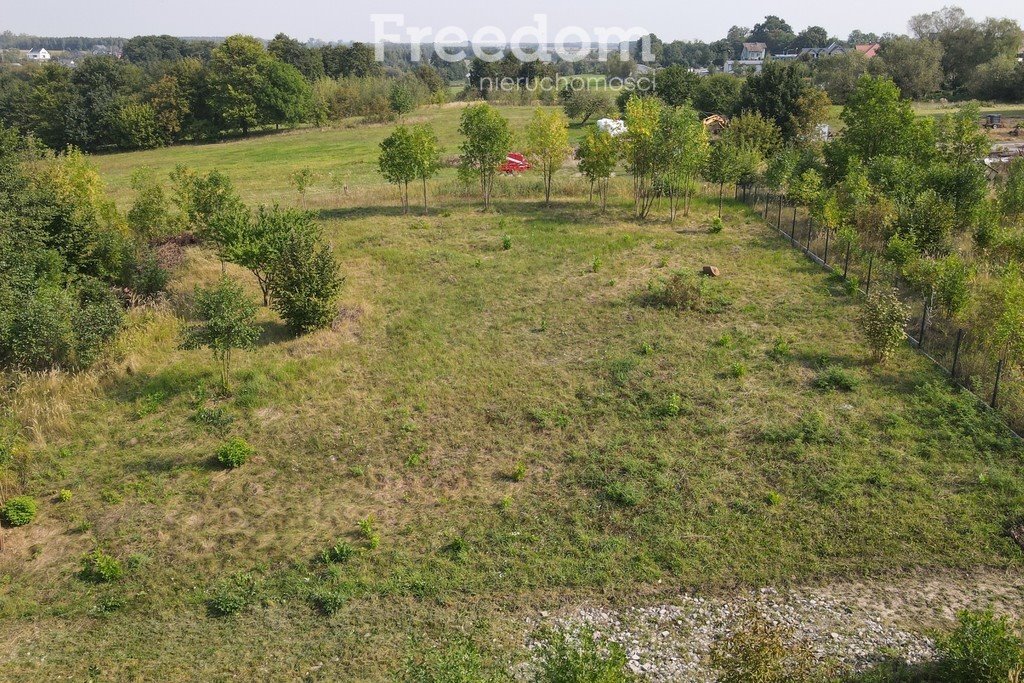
x,y
500,421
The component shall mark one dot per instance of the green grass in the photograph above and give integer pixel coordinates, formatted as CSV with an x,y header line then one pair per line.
x,y
343,158
517,428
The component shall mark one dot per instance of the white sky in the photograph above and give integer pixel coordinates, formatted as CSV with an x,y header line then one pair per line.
x,y
350,19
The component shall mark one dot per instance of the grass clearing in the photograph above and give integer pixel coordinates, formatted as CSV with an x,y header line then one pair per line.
x,y
484,432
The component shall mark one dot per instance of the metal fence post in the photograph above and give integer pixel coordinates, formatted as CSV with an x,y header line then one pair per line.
x,y
810,231
871,263
956,352
924,324
846,264
995,389
828,234
793,227
767,198
778,221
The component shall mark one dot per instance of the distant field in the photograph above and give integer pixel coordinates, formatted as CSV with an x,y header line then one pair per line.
x,y
522,428
935,109
262,166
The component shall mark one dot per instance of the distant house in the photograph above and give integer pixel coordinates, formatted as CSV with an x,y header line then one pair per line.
x,y
869,50
741,66
827,51
754,52
38,55
752,58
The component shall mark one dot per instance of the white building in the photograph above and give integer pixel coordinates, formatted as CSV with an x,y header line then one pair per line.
x,y
38,55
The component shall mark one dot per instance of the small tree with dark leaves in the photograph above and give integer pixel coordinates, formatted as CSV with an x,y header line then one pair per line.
x,y
306,282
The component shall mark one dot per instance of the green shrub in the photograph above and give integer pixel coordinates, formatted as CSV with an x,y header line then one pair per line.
x,y
368,530
144,275
882,321
683,291
63,327
232,595
328,601
738,370
518,473
306,283
835,378
18,511
671,407
758,651
506,242
100,567
581,659
717,225
983,648
338,553
64,496
780,350
234,453
457,548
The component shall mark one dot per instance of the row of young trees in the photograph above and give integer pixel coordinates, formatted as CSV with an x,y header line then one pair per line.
x,y
914,192
413,154
665,149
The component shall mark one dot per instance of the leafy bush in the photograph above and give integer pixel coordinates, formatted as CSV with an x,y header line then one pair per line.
x,y
457,548
882,321
65,496
306,283
581,659
18,511
518,473
671,407
328,601
758,651
60,326
506,242
234,453
337,553
368,530
232,595
683,291
144,275
737,370
717,225
835,378
983,648
100,567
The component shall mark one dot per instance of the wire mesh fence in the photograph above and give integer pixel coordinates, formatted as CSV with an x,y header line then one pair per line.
x,y
968,362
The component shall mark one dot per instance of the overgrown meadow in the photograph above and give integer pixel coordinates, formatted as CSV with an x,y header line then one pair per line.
x,y
502,419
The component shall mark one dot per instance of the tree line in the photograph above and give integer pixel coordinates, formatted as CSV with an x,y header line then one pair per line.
x,y
168,90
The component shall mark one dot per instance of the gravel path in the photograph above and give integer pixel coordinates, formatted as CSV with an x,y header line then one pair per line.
x,y
852,624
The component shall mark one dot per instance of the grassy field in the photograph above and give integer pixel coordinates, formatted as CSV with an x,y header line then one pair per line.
x,y
520,426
